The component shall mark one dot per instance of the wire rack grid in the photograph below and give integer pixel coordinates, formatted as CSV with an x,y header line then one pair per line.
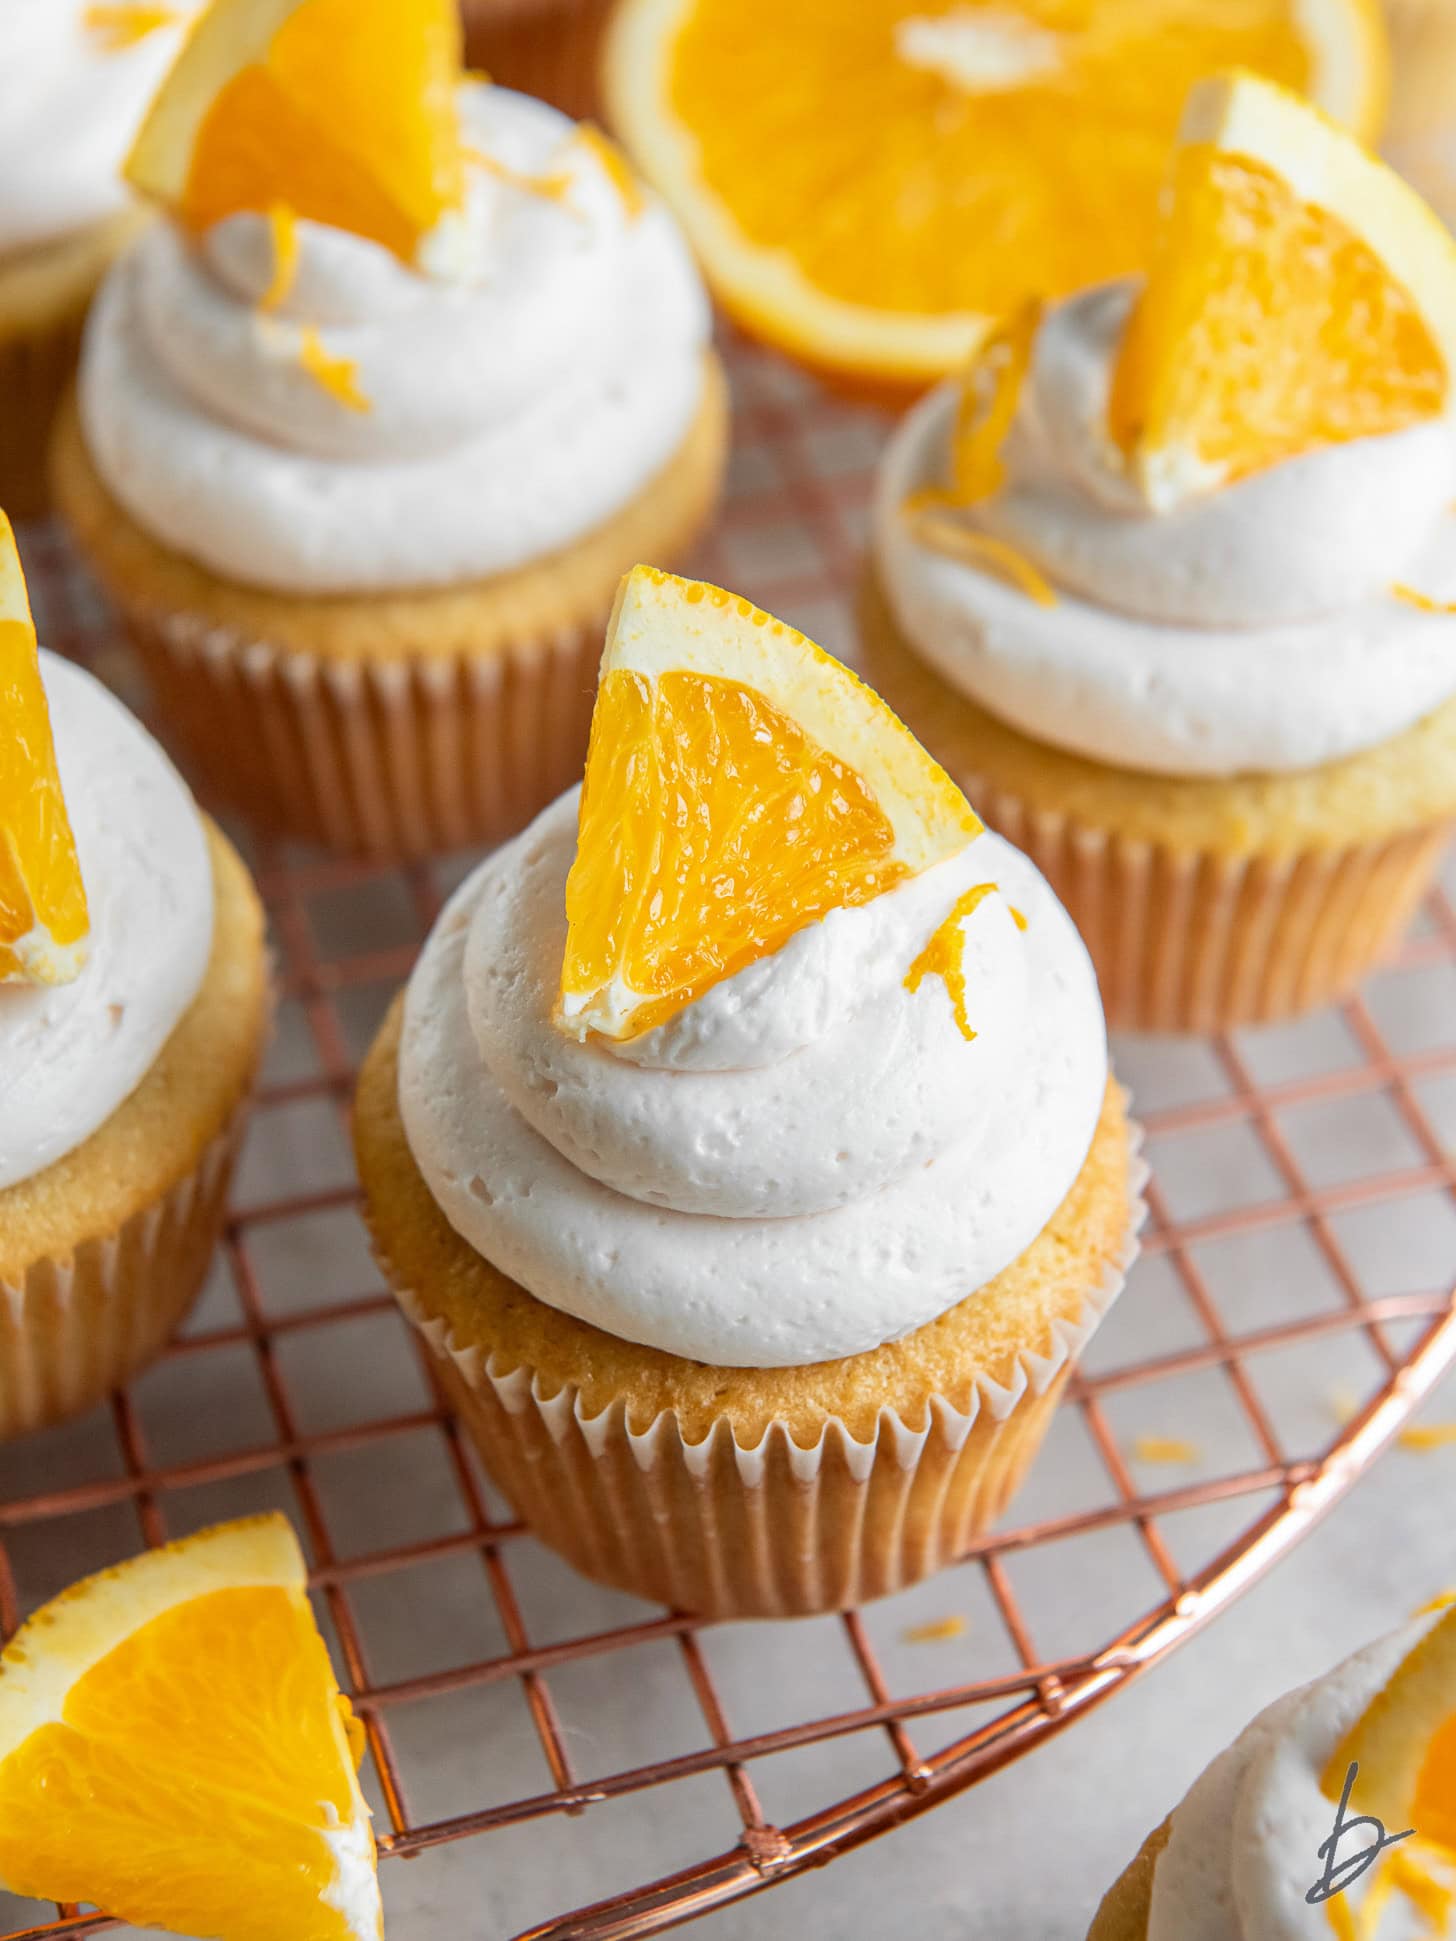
x,y
1266,1313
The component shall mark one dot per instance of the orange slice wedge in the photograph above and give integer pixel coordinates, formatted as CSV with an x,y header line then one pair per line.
x,y
174,1748
343,111
740,784
1405,1745
870,185
44,926
1302,294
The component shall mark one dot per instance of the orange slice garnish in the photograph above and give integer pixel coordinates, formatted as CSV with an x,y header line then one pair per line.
x,y
1302,295
740,784
44,926
174,1749
342,111
870,185
1405,1744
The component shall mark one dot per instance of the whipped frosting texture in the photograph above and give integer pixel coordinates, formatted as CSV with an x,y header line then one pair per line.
x,y
1251,629
69,107
528,381
805,1162
70,1054
1244,1845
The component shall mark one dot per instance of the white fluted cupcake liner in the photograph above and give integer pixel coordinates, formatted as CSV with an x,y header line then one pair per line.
x,y
773,1529
385,759
76,1326
1190,941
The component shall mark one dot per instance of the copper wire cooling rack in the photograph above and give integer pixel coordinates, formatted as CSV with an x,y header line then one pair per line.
x,y
1291,1309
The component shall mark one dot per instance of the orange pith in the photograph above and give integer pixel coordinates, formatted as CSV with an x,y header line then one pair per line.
x,y
1267,328
347,117
206,1749
44,923
777,833
956,214
740,784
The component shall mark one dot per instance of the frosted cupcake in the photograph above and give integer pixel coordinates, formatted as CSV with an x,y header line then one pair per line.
x,y
744,1144
74,83
133,1009
1166,584
1423,67
1242,1855
363,493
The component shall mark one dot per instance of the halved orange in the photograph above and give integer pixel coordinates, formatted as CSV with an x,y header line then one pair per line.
x,y
871,185
44,925
343,111
174,1748
740,784
1301,294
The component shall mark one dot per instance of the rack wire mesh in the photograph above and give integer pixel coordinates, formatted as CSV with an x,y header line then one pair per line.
x,y
1265,1311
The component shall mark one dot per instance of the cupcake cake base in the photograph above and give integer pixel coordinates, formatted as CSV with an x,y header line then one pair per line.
x,y
387,726
549,48
1205,903
103,1253
751,1492
1125,1909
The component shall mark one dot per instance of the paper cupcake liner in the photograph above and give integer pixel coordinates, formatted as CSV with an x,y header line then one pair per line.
x,y
1423,66
77,1326
549,48
36,368
383,759
1184,941
773,1529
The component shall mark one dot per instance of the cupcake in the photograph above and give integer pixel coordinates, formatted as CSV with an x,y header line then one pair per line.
x,y
744,1144
1274,1840
362,465
548,48
1166,583
74,83
134,1004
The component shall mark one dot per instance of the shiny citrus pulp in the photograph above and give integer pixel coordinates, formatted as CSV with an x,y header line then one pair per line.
x,y
740,784
1301,295
44,926
173,1748
869,186
341,110
1405,1744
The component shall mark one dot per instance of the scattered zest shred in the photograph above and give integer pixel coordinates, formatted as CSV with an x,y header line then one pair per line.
x,y
554,187
941,956
936,527
1166,1449
1422,602
283,228
122,25
336,375
1433,1435
937,1631
1442,1601
1017,917
1432,1898
1342,1919
990,390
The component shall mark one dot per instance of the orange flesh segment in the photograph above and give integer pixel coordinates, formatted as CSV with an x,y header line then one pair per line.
x,y
43,916
205,1749
1266,329
1435,1808
350,121
126,23
895,188
712,829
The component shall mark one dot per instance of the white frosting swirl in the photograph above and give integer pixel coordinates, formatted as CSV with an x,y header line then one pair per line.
x,y
70,1054
520,393
1244,1845
1252,629
68,111
807,1161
